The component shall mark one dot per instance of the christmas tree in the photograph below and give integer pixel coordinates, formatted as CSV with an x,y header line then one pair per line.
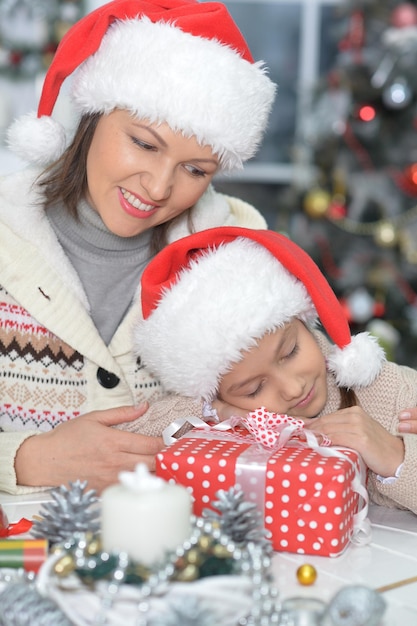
x,y
357,205
30,31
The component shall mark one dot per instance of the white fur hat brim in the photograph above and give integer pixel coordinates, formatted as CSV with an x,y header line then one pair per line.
x,y
209,316
201,88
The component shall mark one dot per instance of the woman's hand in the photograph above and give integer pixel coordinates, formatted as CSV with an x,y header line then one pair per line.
x,y
353,428
86,448
408,421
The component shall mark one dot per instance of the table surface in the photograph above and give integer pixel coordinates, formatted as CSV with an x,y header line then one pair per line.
x,y
389,557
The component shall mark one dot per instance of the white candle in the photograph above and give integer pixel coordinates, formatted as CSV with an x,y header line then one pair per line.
x,y
144,516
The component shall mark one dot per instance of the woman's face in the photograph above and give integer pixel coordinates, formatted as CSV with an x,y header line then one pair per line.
x,y
285,372
140,175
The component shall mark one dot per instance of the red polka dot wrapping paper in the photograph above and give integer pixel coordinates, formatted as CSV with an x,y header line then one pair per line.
x,y
307,498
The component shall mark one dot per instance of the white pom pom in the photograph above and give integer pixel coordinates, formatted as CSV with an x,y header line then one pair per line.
x,y
37,140
357,364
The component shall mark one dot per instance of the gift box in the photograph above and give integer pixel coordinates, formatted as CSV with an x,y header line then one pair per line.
x,y
314,501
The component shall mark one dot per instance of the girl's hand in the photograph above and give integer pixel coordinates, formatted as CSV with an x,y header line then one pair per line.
x,y
408,421
86,448
353,428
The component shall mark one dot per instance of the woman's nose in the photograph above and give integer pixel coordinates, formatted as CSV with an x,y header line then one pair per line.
x,y
158,183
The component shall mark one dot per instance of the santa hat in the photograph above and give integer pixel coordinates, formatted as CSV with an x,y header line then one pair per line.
x,y
176,61
211,295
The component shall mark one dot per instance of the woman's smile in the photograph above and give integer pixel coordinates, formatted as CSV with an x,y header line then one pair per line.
x,y
135,206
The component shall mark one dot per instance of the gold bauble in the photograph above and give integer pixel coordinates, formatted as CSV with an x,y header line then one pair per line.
x,y
194,557
205,543
317,202
64,566
94,546
386,234
188,574
306,574
221,552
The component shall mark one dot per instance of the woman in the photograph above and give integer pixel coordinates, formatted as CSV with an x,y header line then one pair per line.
x,y
168,95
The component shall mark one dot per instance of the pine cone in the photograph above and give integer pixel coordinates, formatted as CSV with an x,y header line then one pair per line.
x,y
238,519
70,512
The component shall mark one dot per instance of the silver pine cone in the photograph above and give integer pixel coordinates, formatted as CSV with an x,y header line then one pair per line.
x,y
71,511
237,518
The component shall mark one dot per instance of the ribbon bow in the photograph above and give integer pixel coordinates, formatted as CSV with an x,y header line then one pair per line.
x,y
270,430
274,430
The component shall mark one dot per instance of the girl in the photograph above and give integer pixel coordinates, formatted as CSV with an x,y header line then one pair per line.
x,y
167,95
230,316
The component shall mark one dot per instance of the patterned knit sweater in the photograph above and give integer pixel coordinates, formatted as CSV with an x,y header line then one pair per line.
x,y
395,389
54,366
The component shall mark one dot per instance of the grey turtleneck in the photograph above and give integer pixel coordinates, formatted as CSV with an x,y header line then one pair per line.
x,y
108,266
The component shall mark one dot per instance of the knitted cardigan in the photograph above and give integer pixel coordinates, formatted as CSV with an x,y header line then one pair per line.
x,y
394,389
54,366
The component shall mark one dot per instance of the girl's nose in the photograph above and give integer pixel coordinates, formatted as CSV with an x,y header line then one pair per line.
x,y
292,388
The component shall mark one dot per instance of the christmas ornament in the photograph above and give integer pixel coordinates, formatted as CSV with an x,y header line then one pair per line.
x,y
385,234
237,518
27,553
208,553
388,336
306,574
404,15
360,306
70,512
300,611
410,175
316,203
397,95
337,207
356,605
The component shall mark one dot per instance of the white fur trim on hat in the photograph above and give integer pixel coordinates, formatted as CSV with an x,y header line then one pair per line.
x,y
358,363
200,88
209,316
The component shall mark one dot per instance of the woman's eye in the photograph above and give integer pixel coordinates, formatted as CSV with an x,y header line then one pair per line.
x,y
195,171
143,144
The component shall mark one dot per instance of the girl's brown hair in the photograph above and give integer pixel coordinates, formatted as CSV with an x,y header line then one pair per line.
x,y
347,398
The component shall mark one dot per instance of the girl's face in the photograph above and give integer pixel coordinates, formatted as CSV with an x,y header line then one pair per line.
x,y
140,175
285,373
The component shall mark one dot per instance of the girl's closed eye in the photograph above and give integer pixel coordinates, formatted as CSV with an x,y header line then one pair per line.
x,y
291,353
257,391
